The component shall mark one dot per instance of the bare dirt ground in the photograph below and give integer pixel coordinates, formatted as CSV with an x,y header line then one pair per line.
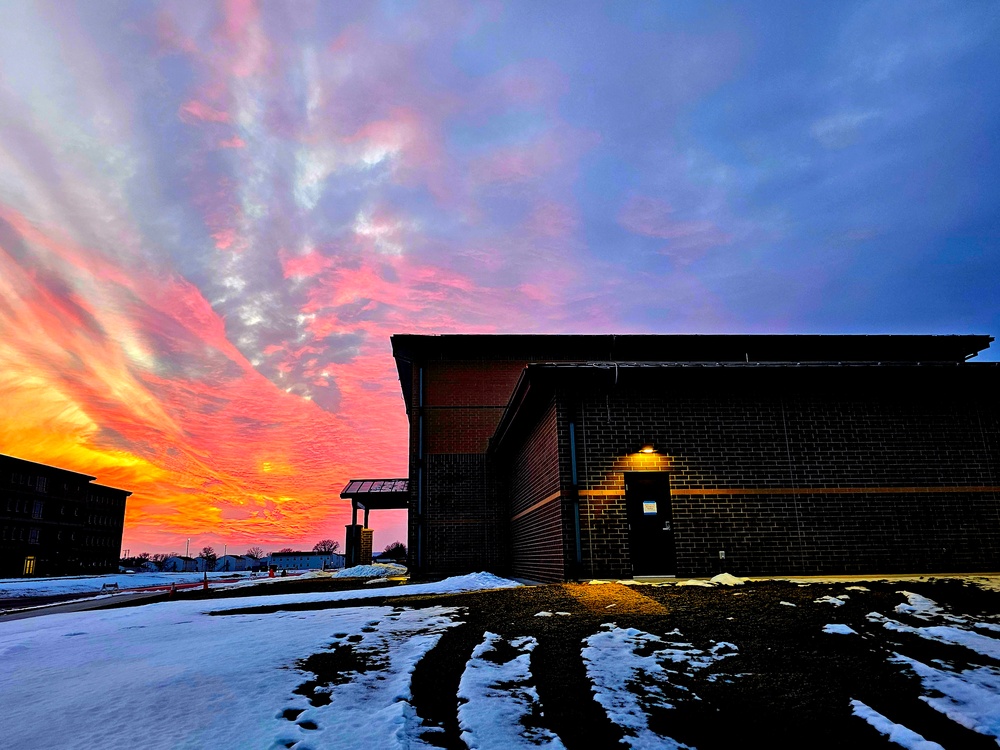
x,y
789,684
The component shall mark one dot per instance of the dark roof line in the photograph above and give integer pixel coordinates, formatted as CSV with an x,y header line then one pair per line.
x,y
688,347
653,364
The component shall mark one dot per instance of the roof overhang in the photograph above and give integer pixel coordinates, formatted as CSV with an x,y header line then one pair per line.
x,y
694,347
377,494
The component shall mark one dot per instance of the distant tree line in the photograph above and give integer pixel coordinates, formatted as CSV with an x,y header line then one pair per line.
x,y
323,547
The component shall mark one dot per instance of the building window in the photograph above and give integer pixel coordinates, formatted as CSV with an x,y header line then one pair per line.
x,y
33,536
41,483
36,512
29,566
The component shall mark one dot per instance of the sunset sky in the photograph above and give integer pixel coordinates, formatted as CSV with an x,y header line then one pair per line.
x,y
213,216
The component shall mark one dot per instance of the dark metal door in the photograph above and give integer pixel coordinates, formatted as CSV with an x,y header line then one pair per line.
x,y
651,532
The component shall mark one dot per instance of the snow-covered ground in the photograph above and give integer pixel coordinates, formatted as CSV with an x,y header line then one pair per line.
x,y
171,675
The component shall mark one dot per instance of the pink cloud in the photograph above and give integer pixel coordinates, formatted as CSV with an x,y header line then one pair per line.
x,y
651,217
530,82
234,142
242,37
557,149
196,110
553,220
298,266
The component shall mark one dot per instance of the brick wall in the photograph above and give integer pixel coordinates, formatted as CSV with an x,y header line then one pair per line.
x,y
536,506
464,528
365,557
799,472
462,519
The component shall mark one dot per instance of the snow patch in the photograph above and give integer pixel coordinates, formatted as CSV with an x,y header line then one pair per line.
x,y
949,634
498,703
967,697
895,732
725,579
629,685
834,600
839,629
370,707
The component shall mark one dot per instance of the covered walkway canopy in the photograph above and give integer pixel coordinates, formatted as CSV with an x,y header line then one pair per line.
x,y
375,494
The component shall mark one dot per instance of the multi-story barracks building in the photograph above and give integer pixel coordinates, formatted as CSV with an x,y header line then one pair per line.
x,y
554,457
57,522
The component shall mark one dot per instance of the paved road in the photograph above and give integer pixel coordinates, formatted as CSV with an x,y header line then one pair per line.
x,y
19,609
78,606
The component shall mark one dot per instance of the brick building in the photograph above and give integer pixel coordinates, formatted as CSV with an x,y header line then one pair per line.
x,y
57,522
554,457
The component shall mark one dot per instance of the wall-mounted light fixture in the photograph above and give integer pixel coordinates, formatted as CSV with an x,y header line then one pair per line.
x,y
647,448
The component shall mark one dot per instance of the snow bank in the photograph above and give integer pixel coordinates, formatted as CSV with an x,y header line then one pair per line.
x,y
725,579
378,570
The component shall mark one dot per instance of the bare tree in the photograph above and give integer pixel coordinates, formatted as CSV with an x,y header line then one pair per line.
x,y
255,552
395,551
284,550
210,557
326,546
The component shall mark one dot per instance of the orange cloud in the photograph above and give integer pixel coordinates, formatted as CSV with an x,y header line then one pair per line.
x,y
145,390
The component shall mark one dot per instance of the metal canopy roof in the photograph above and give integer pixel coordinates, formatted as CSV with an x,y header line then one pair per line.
x,y
376,494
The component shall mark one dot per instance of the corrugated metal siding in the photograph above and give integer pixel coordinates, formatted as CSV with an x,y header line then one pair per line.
x,y
538,546
539,554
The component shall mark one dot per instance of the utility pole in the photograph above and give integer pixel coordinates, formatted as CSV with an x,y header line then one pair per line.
x,y
187,548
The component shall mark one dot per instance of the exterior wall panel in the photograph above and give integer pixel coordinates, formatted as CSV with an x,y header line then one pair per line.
x,y
536,517
803,474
